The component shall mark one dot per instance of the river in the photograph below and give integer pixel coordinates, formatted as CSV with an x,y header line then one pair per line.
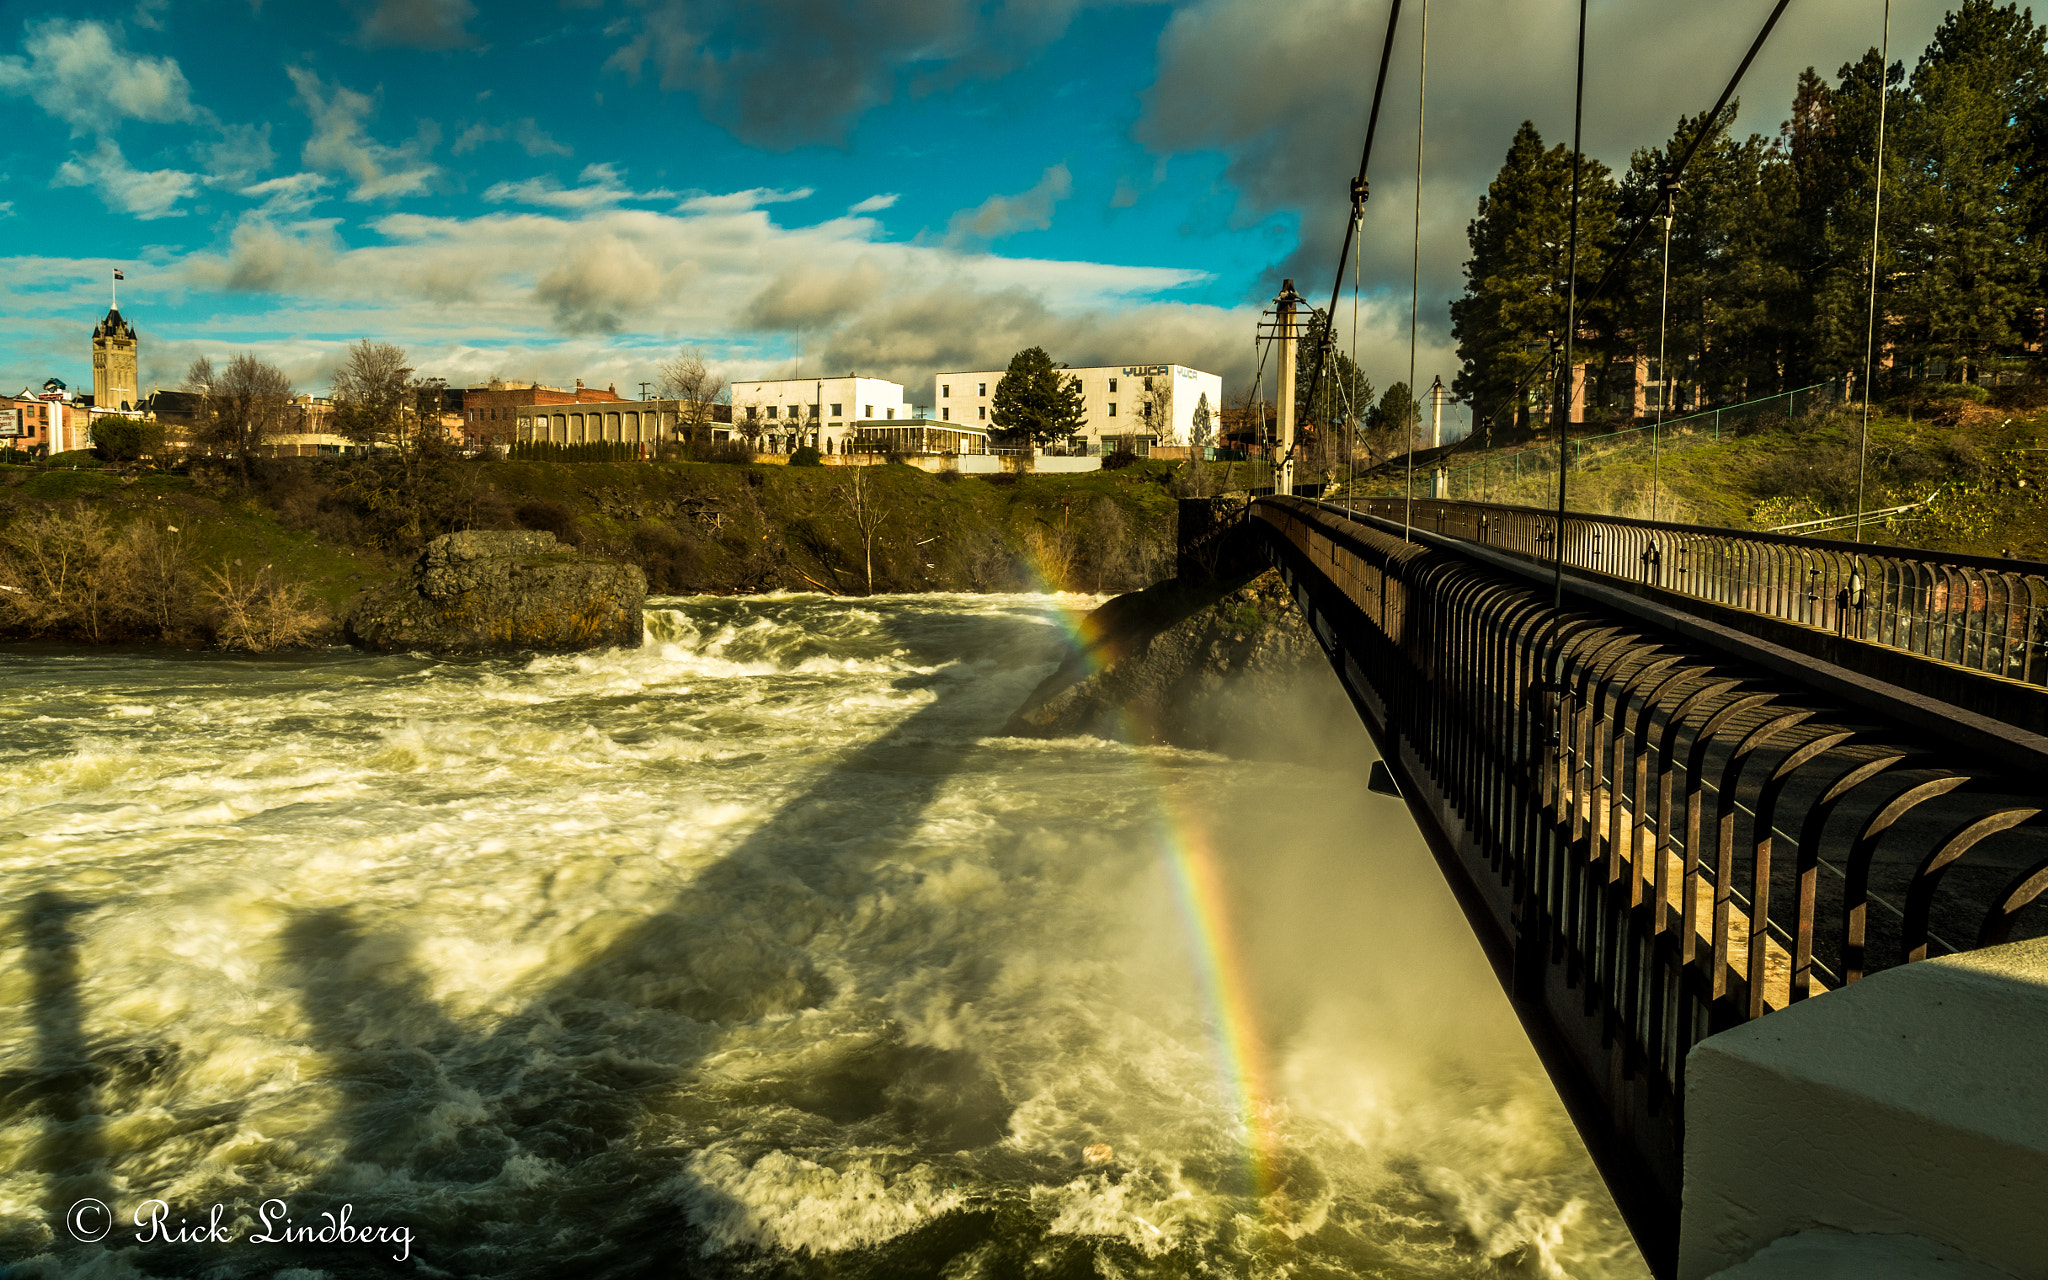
x,y
750,952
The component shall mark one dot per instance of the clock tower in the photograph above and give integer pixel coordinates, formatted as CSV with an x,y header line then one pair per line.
x,y
113,363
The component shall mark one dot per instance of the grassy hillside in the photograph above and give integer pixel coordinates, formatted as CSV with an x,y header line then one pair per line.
x,y
1985,468
323,531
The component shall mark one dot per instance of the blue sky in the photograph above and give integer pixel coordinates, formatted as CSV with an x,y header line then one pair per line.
x,y
565,188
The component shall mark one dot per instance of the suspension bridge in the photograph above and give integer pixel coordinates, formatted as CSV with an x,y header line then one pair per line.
x,y
1692,785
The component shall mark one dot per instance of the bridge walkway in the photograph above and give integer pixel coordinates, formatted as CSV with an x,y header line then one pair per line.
x,y
1664,819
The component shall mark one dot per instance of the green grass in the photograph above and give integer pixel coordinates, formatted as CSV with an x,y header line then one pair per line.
x,y
1986,469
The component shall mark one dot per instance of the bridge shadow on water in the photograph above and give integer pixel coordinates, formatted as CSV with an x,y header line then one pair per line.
x,y
561,1139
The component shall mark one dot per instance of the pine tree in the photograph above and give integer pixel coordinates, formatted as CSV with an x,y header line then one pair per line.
x,y
1036,401
1515,280
1966,266
1343,393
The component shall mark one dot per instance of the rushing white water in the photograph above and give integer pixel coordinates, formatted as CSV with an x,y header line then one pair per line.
x,y
749,952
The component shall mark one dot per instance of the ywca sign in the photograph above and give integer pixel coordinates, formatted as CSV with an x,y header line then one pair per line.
x,y
1144,370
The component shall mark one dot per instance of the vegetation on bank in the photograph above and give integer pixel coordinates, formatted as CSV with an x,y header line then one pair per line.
x,y
1979,468
274,555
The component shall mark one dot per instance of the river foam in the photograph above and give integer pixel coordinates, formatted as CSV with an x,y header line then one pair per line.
x,y
745,952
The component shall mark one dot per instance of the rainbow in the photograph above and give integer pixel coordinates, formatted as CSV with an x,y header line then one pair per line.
x,y
1185,847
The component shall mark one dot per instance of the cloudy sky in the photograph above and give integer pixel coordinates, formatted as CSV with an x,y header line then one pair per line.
x,y
556,189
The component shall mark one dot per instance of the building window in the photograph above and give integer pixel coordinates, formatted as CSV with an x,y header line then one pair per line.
x,y
945,415
982,410
771,410
1148,384
752,413
814,413
892,413
945,393
1112,408
795,413
870,413
984,389
1112,386
836,413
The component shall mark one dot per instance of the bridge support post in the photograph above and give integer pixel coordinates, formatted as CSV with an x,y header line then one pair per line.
x,y
1286,305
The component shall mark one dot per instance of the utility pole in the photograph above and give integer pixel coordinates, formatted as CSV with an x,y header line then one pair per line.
x,y
643,390
1283,469
1439,479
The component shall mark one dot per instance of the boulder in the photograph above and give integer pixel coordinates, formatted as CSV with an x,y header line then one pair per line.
x,y
503,592
1211,666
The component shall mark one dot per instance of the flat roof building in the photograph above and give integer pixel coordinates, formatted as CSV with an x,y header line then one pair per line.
x,y
1137,405
784,414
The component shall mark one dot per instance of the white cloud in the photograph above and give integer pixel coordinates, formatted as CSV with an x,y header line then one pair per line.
x,y
293,193
546,294
339,143
875,204
146,194
418,24
531,138
6,208
741,201
1000,216
601,187
78,73
242,152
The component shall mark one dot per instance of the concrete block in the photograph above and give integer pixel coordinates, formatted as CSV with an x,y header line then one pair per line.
x,y
1911,1103
1834,1255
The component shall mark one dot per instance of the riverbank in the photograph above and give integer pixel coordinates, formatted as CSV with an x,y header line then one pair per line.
x,y
277,557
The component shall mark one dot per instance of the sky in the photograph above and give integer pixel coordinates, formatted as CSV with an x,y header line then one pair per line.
x,y
563,189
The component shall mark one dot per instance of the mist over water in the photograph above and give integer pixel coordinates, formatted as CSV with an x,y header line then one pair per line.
x,y
749,952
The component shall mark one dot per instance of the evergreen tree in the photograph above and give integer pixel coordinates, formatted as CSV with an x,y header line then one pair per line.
x,y
1734,279
1343,393
1037,402
1966,266
1396,416
1515,295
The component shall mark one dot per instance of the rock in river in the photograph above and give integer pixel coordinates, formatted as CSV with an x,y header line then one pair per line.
x,y
483,592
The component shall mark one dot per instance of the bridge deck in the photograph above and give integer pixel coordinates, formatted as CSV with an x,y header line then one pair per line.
x,y
1619,789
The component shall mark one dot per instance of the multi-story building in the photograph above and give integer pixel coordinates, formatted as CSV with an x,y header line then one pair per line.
x,y
784,414
497,414
50,419
1138,406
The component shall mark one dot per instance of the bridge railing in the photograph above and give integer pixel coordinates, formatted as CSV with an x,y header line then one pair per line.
x,y
1985,614
1656,836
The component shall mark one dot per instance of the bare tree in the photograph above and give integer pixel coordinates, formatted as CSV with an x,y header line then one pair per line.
x,y
246,405
685,377
371,391
868,510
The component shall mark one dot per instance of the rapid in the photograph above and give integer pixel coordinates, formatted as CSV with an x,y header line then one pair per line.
x,y
750,952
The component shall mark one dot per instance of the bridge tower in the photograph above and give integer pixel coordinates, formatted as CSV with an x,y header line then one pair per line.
x,y
1285,306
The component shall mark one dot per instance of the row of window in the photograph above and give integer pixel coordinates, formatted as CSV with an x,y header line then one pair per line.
x,y
981,389
798,411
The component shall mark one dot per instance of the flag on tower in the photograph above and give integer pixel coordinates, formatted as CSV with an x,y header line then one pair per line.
x,y
118,275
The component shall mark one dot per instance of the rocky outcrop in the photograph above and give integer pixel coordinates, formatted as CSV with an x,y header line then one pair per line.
x,y
1189,666
503,592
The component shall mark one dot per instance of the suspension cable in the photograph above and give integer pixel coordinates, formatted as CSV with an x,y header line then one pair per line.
x,y
1884,93
1415,273
1663,369
1360,187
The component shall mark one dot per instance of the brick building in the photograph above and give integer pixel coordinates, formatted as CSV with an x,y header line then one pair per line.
x,y
491,413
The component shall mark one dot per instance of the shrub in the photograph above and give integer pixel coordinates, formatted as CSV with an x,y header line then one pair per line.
x,y
1118,459
806,456
727,451
126,439
258,613
549,517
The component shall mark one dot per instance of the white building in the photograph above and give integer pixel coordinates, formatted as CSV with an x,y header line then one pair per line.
x,y
820,412
1141,405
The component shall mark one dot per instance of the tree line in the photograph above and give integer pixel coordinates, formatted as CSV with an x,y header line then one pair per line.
x,y
1770,239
